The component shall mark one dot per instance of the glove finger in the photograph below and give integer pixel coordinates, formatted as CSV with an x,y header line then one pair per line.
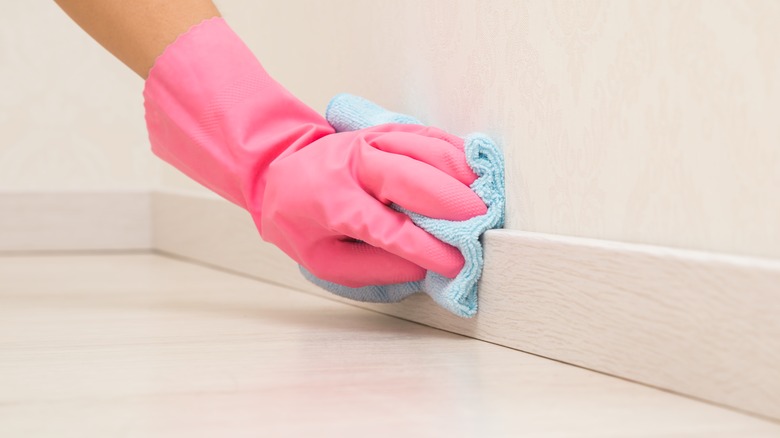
x,y
378,225
417,186
358,264
428,148
422,130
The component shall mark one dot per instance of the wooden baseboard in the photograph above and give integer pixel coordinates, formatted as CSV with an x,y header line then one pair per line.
x,y
89,220
701,324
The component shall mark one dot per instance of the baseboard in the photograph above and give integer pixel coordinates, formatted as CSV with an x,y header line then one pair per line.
x,y
211,230
701,324
86,220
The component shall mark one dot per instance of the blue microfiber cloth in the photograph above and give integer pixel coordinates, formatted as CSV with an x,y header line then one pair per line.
x,y
459,295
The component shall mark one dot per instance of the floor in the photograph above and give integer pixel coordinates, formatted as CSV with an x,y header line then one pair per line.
x,y
143,345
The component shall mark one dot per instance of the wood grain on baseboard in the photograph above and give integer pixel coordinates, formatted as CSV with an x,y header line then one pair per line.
x,y
706,325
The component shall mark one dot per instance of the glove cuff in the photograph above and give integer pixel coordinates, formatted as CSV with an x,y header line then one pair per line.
x,y
214,113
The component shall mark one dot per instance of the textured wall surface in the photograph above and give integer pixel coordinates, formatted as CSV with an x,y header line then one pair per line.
x,y
649,121
70,114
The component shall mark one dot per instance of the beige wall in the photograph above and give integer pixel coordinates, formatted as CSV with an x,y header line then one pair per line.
x,y
70,114
650,121
642,121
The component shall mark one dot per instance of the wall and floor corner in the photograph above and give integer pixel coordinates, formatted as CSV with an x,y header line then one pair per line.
x,y
625,125
75,167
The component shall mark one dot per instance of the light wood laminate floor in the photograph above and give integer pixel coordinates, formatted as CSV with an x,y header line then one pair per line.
x,y
142,345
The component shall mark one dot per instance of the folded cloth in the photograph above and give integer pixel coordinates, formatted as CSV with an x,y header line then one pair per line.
x,y
458,295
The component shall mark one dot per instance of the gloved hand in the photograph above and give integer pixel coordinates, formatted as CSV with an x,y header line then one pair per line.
x,y
214,113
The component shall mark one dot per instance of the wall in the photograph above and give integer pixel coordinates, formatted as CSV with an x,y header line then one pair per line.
x,y
71,115
650,122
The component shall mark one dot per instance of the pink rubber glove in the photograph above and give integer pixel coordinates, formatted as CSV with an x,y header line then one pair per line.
x,y
214,113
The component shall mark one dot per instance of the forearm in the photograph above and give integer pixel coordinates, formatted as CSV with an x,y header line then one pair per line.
x,y
137,31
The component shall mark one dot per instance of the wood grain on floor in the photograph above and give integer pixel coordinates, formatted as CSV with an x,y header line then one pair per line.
x,y
692,322
147,346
